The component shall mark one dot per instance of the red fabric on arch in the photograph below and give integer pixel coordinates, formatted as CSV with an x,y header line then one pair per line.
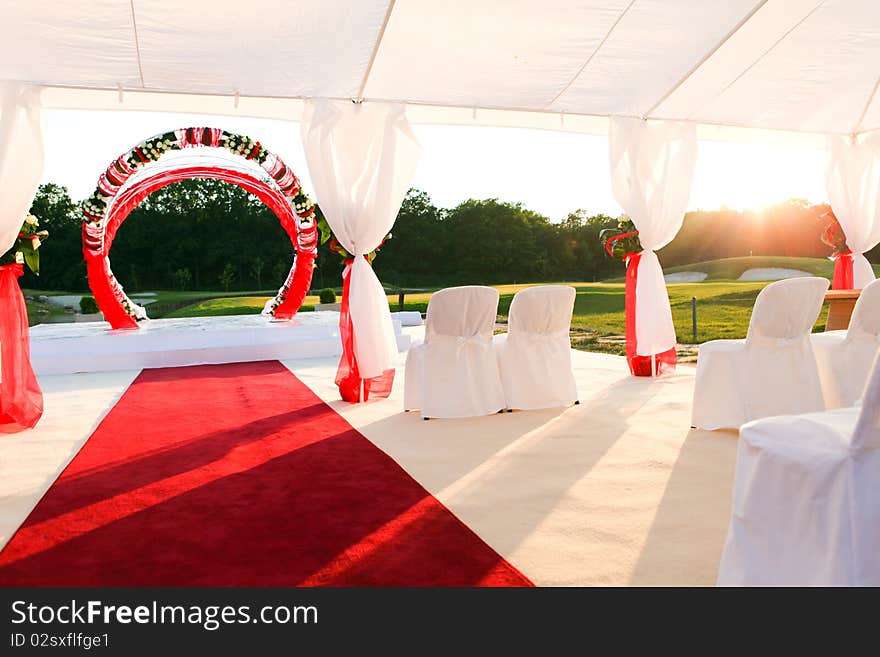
x,y
98,268
134,196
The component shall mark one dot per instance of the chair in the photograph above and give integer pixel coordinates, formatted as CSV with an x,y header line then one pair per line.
x,y
534,356
773,371
805,503
844,357
454,372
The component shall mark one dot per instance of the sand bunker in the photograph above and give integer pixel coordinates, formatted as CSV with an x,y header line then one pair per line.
x,y
686,277
771,274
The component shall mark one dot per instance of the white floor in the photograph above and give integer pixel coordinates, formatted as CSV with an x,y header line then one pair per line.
x,y
618,490
74,404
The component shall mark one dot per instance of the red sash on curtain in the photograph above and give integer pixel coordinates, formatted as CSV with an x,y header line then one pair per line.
x,y
664,363
843,271
347,375
21,400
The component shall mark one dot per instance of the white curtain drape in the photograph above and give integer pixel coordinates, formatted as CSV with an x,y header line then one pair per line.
x,y
362,158
21,156
852,180
652,167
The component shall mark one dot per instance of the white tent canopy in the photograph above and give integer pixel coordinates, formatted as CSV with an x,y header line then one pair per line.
x,y
796,65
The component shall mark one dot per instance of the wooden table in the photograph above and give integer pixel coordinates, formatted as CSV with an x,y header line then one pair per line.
x,y
840,308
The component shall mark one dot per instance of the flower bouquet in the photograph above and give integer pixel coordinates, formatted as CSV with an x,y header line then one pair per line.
x,y
621,242
25,250
327,237
832,234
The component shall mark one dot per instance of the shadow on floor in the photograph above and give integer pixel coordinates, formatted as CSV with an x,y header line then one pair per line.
x,y
506,473
685,541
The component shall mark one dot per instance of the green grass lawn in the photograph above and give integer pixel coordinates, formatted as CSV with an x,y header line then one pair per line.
x,y
204,303
724,305
39,312
160,295
238,305
723,309
170,296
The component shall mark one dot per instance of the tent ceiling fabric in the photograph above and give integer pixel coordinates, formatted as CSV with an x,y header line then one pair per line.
x,y
287,48
798,65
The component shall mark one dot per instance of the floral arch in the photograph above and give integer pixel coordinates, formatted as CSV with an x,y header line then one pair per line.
x,y
135,175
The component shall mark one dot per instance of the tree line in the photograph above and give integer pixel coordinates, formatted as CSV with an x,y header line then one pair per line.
x,y
211,235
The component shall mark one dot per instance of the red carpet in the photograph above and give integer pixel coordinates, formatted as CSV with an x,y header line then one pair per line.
x,y
238,475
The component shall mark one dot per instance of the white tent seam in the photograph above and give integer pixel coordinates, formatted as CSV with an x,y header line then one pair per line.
x,y
760,57
360,95
174,92
592,54
706,57
864,113
137,43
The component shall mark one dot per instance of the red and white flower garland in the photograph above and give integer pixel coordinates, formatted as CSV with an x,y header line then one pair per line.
x,y
151,150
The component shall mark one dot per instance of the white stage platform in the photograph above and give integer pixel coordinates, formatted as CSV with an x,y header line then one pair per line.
x,y
95,347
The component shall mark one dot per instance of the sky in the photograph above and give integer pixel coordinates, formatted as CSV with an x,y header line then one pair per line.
x,y
552,173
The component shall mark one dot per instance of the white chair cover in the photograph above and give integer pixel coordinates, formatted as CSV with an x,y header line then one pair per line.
x,y
534,357
773,371
454,372
845,357
805,504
